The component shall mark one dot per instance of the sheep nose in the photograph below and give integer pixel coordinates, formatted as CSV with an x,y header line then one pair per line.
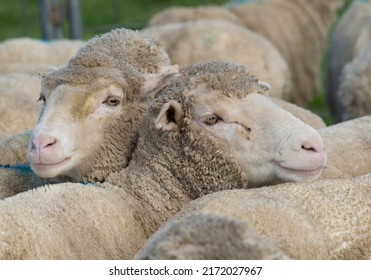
x,y
309,146
42,143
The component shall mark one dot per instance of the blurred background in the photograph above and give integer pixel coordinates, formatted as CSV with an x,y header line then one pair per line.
x,y
23,18
301,32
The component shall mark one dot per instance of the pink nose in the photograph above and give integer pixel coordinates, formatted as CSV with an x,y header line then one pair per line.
x,y
44,149
43,142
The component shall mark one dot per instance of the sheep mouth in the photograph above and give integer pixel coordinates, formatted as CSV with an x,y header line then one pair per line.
x,y
40,167
300,174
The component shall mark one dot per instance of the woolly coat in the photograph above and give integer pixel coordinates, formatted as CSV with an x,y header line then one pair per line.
x,y
299,33
355,87
343,43
203,40
168,169
183,14
208,237
123,57
348,148
324,219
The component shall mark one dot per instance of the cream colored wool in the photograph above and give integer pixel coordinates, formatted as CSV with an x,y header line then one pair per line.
x,y
325,219
122,57
13,149
299,33
203,40
355,87
348,148
167,170
208,237
18,107
184,14
27,50
342,50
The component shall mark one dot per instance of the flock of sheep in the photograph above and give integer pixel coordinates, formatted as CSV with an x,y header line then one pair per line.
x,y
189,139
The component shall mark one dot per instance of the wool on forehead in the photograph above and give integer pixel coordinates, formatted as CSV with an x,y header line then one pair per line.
x,y
226,78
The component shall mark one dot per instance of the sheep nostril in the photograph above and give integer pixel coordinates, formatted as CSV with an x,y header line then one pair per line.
x,y
310,149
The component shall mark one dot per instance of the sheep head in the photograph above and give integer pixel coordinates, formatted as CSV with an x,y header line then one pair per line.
x,y
86,131
220,108
92,107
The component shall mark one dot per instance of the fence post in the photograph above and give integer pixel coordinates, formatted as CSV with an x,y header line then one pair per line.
x,y
74,19
52,15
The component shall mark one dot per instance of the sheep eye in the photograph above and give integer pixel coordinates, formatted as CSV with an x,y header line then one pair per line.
x,y
112,101
211,119
41,98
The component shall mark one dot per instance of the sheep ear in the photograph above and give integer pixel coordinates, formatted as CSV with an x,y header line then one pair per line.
x,y
264,86
169,117
154,82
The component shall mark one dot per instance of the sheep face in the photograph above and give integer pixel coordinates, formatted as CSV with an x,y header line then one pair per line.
x,y
66,133
269,143
87,131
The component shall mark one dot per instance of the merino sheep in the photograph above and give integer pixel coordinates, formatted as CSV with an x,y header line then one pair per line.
x,y
203,40
343,49
13,150
355,87
175,14
324,219
299,33
102,92
19,109
27,50
7,188
190,144
348,148
99,90
208,237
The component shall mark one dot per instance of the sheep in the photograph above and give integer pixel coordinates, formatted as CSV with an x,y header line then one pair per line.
x,y
10,185
202,40
324,219
190,144
118,73
348,148
208,237
286,33
28,50
342,50
14,179
355,87
299,33
13,149
32,56
105,80
19,178
33,68
176,14
19,109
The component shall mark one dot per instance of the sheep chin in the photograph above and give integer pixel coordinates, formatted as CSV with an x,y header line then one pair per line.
x,y
286,173
49,170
